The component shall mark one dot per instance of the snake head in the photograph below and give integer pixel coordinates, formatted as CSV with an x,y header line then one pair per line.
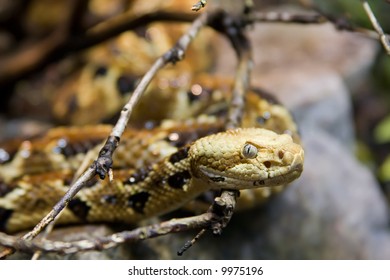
x,y
246,158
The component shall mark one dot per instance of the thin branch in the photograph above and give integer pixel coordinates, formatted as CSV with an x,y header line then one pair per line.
x,y
61,44
57,209
199,5
55,47
342,23
175,54
141,233
103,164
287,17
384,38
221,208
219,214
233,29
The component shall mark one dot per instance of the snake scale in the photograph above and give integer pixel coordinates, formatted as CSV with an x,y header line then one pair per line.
x,y
156,169
175,154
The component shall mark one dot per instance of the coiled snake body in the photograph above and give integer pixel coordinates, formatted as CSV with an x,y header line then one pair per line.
x,y
156,169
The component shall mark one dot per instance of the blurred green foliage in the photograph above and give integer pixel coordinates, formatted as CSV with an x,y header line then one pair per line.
x,y
353,10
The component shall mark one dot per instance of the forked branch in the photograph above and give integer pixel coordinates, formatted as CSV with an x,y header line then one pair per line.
x,y
219,213
213,216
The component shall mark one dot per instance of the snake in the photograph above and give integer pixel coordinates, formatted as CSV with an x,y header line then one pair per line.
x,y
157,168
175,153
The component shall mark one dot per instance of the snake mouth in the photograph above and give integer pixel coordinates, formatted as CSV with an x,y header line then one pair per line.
x,y
282,179
259,178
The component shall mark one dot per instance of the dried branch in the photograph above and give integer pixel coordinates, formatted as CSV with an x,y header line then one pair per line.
x,y
384,38
61,44
104,161
287,17
58,46
340,23
221,210
233,30
103,164
212,218
141,233
199,5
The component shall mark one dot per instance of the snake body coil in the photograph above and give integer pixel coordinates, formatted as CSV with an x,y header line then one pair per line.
x,y
156,170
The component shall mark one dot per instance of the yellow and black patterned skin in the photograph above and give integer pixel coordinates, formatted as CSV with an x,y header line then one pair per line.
x,y
157,168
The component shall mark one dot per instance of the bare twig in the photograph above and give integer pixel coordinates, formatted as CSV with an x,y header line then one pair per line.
x,y
222,208
286,17
199,5
60,44
233,29
73,190
141,233
384,38
50,217
242,79
103,164
189,244
343,24
14,67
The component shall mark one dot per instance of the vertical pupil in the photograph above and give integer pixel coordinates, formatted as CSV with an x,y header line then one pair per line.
x,y
249,151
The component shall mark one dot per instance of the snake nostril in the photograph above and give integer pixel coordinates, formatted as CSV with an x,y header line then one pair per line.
x,y
267,164
280,154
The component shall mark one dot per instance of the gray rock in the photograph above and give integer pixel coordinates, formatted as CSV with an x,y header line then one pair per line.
x,y
334,211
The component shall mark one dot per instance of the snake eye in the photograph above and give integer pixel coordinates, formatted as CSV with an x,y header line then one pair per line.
x,y
249,151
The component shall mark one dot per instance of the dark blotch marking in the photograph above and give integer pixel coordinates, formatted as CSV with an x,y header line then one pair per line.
x,y
110,199
178,180
5,214
142,32
137,201
179,155
280,154
5,188
126,84
267,164
100,71
73,104
79,208
77,147
217,179
258,183
138,176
